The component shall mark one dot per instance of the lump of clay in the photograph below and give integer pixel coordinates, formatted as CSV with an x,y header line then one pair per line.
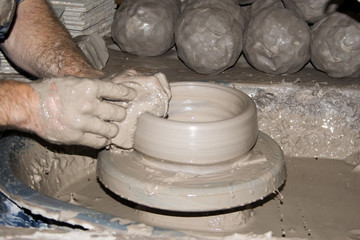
x,y
94,48
312,10
153,96
335,46
209,35
277,41
145,27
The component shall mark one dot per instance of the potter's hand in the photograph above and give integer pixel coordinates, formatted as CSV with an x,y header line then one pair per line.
x,y
153,95
132,77
71,110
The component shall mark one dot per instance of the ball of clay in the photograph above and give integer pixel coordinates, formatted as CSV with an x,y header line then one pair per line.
x,y
209,35
277,41
335,46
312,10
145,27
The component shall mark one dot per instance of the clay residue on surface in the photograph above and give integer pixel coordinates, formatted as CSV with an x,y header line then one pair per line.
x,y
319,201
309,121
317,196
153,95
49,170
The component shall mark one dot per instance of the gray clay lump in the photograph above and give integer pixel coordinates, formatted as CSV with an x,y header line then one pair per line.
x,y
145,27
277,41
335,47
209,35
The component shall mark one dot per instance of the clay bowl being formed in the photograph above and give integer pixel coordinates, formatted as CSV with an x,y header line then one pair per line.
x,y
208,154
207,124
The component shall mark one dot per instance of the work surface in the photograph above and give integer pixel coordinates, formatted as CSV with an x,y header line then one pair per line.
x,y
242,72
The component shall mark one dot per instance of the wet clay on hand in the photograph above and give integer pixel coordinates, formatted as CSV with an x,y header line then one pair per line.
x,y
153,95
72,111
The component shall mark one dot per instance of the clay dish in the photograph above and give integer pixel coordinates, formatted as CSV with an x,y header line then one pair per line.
x,y
207,124
207,155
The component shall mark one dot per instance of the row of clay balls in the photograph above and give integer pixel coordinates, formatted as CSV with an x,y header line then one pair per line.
x,y
276,37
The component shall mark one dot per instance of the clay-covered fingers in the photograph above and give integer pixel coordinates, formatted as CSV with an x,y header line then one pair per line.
x,y
131,72
93,140
115,92
110,112
101,128
164,83
124,76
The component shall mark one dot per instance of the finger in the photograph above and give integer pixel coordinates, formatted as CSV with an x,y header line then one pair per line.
x,y
117,92
124,76
94,141
110,112
131,72
99,127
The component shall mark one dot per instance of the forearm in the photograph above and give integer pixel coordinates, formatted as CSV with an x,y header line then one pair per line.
x,y
41,45
18,105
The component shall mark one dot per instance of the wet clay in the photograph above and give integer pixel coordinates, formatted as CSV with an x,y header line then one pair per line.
x,y
153,95
198,112
317,196
235,183
75,112
305,120
180,160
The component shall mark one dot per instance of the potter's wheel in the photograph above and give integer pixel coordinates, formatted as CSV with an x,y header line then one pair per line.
x,y
238,182
208,155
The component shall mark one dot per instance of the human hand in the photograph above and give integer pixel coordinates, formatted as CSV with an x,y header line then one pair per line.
x,y
132,78
152,96
71,110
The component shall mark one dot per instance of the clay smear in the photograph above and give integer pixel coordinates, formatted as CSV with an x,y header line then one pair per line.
x,y
319,201
153,95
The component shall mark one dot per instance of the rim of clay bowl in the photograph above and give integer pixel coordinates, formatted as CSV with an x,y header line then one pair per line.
x,y
200,143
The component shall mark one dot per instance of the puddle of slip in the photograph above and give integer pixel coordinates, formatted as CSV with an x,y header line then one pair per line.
x,y
320,200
